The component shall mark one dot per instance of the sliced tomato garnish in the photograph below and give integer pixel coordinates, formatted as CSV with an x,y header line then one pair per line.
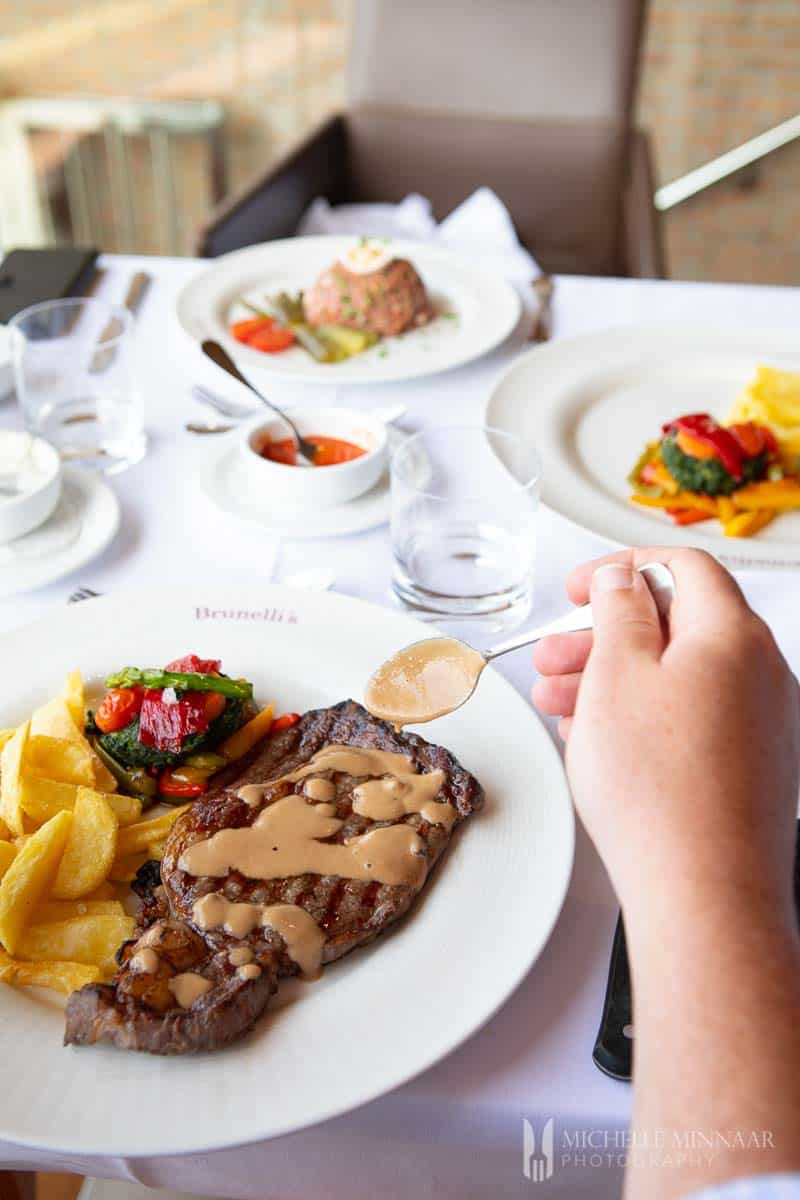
x,y
284,722
273,340
119,708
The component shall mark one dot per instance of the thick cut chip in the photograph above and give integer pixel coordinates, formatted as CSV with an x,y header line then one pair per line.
x,y
90,850
124,870
5,832
145,833
41,799
51,911
7,855
55,719
59,759
75,697
92,940
6,736
30,877
64,977
10,774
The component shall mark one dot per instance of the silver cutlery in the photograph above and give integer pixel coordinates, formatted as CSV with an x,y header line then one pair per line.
x,y
137,289
220,404
542,330
410,667
306,450
199,427
83,593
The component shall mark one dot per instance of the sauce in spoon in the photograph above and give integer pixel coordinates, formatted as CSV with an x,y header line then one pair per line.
x,y
424,681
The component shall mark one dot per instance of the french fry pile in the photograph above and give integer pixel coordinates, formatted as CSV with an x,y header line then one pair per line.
x,y
68,841
741,514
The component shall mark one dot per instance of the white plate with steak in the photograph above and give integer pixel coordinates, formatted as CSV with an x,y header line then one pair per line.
x,y
220,947
473,309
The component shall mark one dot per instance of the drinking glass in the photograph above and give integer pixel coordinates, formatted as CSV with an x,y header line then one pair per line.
x,y
464,502
72,367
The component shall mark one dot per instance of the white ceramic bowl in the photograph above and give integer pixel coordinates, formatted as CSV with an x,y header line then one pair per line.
x,y
41,467
267,482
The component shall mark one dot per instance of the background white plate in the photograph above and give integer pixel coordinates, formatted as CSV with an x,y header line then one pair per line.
x,y
487,310
380,1016
589,404
86,520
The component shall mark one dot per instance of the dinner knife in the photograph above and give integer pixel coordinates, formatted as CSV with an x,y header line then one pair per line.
x,y
137,289
613,1050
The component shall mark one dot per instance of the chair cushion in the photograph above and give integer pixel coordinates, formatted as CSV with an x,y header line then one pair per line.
x,y
561,181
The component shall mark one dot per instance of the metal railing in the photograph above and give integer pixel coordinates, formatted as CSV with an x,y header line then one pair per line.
x,y
92,129
727,164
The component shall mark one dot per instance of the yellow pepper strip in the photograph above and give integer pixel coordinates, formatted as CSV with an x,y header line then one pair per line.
x,y
239,743
726,509
772,493
691,500
745,524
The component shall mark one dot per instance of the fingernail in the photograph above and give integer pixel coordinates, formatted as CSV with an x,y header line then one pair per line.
x,y
612,577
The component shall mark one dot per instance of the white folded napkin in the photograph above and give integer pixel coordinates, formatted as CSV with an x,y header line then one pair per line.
x,y
481,227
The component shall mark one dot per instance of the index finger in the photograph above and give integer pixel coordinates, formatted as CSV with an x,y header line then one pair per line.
x,y
704,588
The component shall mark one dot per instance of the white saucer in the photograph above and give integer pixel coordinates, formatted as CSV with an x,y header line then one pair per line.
x,y
365,512
6,372
84,523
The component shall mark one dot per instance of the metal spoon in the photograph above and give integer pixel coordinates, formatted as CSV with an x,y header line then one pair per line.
x,y
305,450
543,286
658,577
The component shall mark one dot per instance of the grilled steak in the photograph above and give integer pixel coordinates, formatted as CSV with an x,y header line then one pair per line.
x,y
386,302
139,1009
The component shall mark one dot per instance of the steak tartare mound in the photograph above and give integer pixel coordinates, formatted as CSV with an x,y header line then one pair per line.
x,y
387,300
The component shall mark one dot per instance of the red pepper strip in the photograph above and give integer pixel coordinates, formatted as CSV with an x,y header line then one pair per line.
x,y
688,516
284,722
754,439
705,429
165,726
190,664
169,786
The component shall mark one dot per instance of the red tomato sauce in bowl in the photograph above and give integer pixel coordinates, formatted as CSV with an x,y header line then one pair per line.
x,y
329,451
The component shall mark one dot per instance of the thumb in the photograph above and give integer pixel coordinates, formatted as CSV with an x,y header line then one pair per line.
x,y
625,616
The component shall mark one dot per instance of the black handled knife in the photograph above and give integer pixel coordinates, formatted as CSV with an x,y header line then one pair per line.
x,y
613,1050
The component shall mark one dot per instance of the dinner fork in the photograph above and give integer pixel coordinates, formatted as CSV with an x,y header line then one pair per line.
x,y
83,593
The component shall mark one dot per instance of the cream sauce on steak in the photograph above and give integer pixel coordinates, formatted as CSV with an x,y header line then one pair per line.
x,y
289,836
303,937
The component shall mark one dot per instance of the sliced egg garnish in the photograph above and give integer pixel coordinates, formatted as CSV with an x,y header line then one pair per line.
x,y
366,256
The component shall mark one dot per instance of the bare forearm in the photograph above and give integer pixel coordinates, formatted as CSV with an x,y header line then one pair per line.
x,y
717,1051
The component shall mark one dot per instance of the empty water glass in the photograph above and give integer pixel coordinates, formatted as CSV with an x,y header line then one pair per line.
x,y
73,374
464,502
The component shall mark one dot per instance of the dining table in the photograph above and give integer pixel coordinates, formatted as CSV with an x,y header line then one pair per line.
x,y
459,1129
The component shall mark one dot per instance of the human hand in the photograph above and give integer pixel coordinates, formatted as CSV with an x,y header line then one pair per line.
x,y
683,751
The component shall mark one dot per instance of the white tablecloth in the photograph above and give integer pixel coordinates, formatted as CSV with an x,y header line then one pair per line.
x,y
456,1131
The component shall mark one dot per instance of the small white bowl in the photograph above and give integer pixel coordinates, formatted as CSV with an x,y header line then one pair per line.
x,y
268,482
40,478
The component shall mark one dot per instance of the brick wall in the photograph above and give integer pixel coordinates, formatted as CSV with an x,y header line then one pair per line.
x,y
717,72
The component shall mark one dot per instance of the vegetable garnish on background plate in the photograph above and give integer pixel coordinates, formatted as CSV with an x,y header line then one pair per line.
x,y
743,473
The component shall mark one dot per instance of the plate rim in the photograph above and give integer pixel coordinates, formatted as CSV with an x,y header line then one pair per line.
x,y
350,376
548,755
776,555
